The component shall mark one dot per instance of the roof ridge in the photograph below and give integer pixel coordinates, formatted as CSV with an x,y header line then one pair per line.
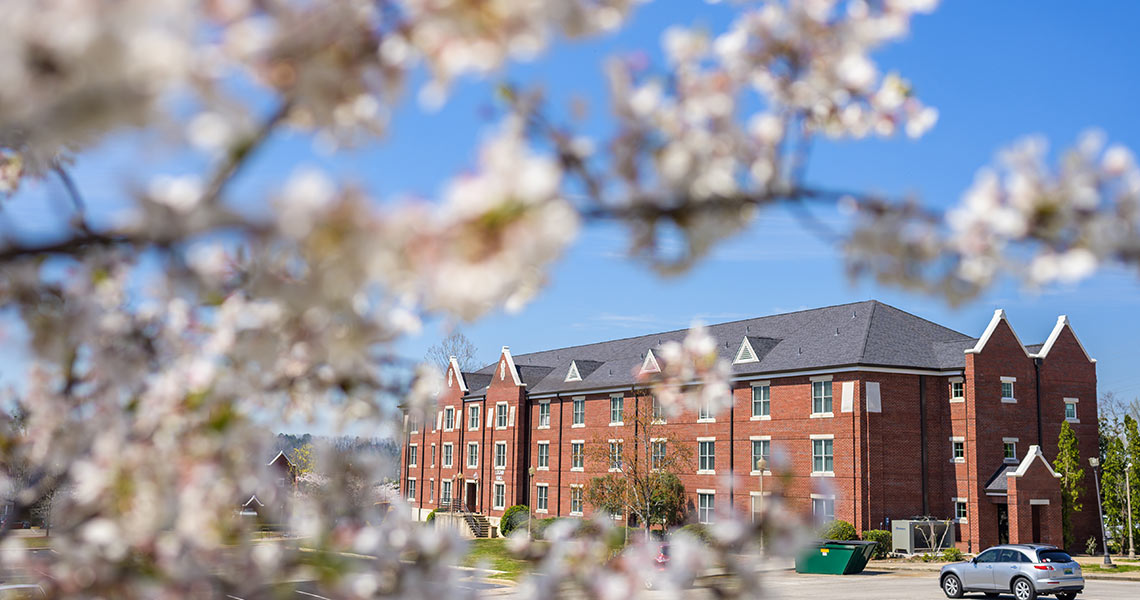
x,y
923,319
867,333
631,337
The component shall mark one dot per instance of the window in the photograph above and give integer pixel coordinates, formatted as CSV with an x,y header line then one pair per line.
x,y
1007,389
615,455
544,414
501,416
473,454
960,510
431,490
706,452
579,411
705,412
617,408
576,459
706,506
544,455
1071,410
413,453
822,460
447,455
500,455
449,418
761,400
823,509
575,500
821,397
413,423
445,491
473,417
958,449
957,391
500,500
411,489
658,455
658,410
1009,450
760,451
433,455
543,495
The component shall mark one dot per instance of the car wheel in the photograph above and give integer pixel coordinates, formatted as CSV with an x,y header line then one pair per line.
x,y
952,586
1023,590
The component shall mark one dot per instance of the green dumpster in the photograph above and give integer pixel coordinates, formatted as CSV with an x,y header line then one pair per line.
x,y
835,557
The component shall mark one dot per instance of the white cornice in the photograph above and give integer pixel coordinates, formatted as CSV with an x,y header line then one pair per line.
x,y
999,316
1062,322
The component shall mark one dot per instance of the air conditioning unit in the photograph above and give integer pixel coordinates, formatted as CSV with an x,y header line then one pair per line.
x,y
913,536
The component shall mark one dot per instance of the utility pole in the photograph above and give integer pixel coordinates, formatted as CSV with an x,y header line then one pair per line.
x,y
1128,495
1094,462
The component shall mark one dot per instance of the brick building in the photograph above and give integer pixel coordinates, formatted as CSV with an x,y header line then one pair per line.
x,y
875,413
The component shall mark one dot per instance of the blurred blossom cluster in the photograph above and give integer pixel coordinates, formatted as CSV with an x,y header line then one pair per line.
x,y
163,343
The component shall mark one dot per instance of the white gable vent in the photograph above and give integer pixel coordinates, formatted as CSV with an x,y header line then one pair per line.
x,y
746,354
573,375
650,364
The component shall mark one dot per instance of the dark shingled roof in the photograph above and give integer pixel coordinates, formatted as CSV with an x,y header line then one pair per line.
x,y
999,483
867,333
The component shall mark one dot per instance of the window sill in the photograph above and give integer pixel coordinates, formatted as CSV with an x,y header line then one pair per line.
x,y
957,400
706,420
760,418
543,427
577,425
541,510
959,461
824,415
615,470
1072,420
542,468
617,423
660,422
1010,461
498,428
498,508
577,469
823,473
1009,400
961,521
575,513
706,471
758,473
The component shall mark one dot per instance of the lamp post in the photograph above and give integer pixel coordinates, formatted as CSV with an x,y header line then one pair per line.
x,y
1128,495
761,464
530,511
1094,462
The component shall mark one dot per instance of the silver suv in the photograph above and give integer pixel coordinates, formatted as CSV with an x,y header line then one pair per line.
x,y
1027,570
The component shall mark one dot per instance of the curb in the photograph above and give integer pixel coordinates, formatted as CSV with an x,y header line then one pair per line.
x,y
1132,576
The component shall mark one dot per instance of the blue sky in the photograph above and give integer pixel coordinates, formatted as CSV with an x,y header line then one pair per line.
x,y
995,70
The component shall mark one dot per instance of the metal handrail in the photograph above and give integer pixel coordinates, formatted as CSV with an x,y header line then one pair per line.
x,y
459,506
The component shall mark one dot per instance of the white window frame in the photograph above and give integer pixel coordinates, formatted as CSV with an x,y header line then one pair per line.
x,y
765,388
823,438
431,490
1012,398
959,381
499,496
413,455
825,385
706,514
502,410
1006,441
432,455
472,464
542,497
543,445
705,412
448,460
575,402
1076,416
657,411
473,415
413,424
449,418
411,488
618,445
579,457
654,444
544,411
827,500
502,445
445,492
576,498
753,497
964,503
954,441
701,445
752,442
619,399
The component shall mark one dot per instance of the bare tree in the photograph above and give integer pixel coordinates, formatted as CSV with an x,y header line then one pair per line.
x,y
456,345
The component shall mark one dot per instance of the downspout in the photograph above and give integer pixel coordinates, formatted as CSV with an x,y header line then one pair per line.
x,y
561,414
732,452
1037,393
461,421
922,440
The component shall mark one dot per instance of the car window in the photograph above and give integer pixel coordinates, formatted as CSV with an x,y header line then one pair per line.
x,y
1007,556
1054,556
988,556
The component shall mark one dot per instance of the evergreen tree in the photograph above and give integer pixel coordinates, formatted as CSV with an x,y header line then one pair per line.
x,y
1133,455
1112,487
1068,464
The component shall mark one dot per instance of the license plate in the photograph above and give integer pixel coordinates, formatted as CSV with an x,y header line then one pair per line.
x,y
1068,571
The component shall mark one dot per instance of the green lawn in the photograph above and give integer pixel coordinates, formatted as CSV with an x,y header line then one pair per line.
x,y
493,554
37,542
1119,568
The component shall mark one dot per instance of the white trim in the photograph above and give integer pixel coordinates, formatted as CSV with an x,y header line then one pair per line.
x,y
458,374
957,400
1009,400
822,436
823,473
706,439
1010,439
1062,321
1034,452
572,374
827,377
752,358
511,366
761,418
999,316
649,365
764,438
762,383
496,421
823,496
872,397
1038,502
825,415
542,485
1074,402
957,438
1007,379
758,494
452,409
702,491
957,380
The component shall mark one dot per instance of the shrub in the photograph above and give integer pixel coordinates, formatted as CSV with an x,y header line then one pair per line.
x,y
513,517
840,531
431,516
698,531
952,555
1090,546
539,527
883,541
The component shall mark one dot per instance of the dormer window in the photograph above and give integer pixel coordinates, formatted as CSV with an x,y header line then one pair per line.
x,y
572,374
746,354
650,364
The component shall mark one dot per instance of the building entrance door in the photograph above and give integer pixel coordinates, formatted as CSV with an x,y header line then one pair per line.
x,y
1003,523
472,494
1036,510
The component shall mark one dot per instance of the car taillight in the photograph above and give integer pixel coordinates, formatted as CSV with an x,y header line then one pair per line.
x,y
1043,567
